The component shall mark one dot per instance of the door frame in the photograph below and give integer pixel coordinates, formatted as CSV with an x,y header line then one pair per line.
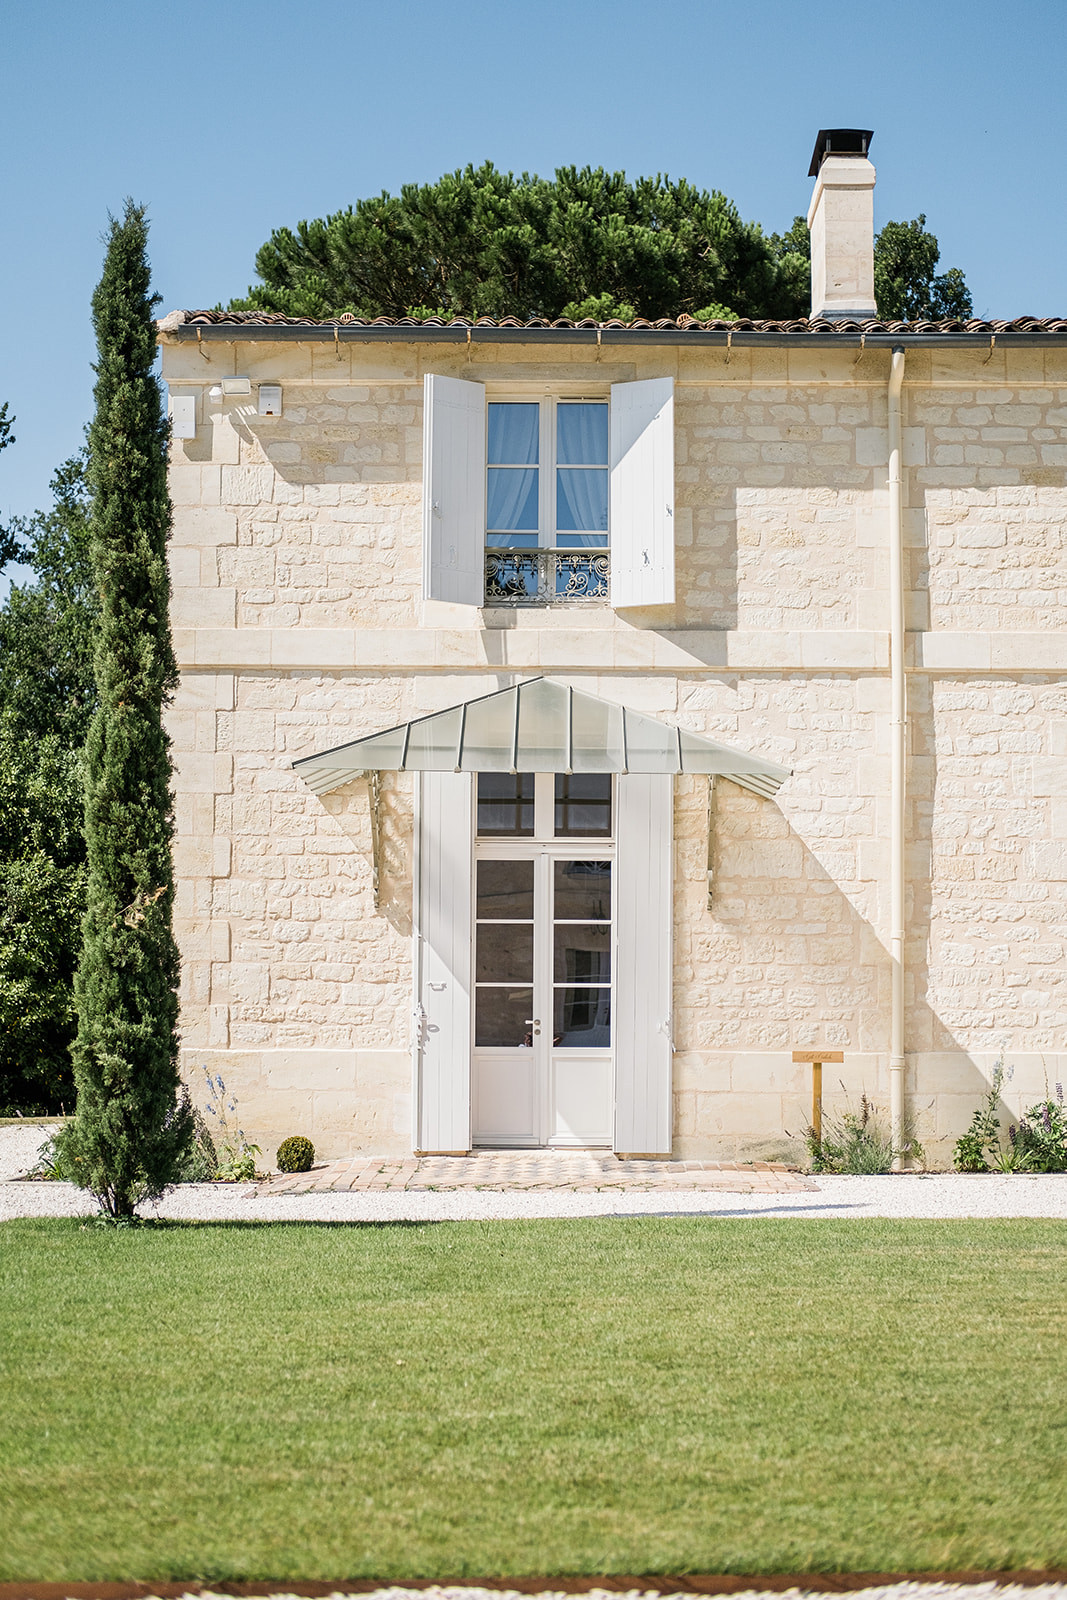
x,y
544,847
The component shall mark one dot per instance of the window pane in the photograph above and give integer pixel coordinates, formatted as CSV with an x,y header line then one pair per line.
x,y
512,498
513,434
505,891
583,805
501,1017
581,1019
582,891
581,435
582,952
506,805
505,952
582,500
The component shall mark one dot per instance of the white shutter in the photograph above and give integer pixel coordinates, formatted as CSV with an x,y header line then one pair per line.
x,y
443,956
644,974
453,490
642,493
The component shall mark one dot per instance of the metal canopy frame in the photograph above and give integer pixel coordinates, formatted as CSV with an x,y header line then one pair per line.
x,y
538,726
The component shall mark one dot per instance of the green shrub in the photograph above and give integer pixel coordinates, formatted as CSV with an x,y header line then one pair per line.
x,y
983,1136
857,1143
1039,1138
295,1154
56,1158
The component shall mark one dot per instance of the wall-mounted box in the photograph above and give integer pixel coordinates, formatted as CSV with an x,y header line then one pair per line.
x,y
270,400
237,386
182,409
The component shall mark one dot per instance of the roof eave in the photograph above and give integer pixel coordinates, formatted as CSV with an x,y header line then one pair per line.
x,y
329,333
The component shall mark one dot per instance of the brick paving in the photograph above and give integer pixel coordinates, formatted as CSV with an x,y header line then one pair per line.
x,y
501,1170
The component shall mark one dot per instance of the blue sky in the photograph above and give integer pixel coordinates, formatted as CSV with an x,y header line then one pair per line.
x,y
228,120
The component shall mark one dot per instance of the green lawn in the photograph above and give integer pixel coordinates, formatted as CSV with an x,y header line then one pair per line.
x,y
639,1396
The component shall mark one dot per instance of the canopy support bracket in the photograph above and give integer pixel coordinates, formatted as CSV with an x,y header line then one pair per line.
x,y
711,839
374,795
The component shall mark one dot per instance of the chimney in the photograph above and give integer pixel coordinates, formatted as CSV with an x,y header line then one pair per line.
x,y
841,224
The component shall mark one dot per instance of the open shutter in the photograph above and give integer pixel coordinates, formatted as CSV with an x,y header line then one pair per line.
x,y
643,988
642,493
443,954
453,490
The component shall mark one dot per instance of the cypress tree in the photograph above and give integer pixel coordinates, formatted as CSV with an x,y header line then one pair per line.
x,y
133,1122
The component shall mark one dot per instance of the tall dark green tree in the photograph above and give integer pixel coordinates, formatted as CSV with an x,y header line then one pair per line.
x,y
907,288
133,1128
47,693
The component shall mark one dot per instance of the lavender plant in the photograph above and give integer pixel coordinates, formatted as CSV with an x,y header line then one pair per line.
x,y
236,1156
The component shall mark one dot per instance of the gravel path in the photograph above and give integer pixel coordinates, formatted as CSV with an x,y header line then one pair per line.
x,y
933,1195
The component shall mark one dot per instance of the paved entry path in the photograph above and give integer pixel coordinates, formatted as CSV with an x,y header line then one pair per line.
x,y
538,1169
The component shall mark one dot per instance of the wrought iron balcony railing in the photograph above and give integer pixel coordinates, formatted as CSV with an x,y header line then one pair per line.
x,y
545,577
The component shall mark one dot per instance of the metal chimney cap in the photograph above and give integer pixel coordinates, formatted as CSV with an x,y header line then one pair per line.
x,y
839,142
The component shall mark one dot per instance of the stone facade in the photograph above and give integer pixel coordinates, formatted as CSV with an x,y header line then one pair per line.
x,y
299,624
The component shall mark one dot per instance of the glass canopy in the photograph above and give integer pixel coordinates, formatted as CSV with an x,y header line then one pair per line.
x,y
538,726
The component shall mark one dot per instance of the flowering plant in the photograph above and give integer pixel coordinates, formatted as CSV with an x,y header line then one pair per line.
x,y
236,1156
1039,1139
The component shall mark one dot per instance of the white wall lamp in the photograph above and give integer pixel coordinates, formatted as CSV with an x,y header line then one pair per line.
x,y
230,387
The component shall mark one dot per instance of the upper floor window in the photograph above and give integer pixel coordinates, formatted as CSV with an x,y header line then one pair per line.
x,y
519,495
546,492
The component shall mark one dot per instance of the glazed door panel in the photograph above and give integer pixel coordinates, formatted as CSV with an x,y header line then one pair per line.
x,y
543,1061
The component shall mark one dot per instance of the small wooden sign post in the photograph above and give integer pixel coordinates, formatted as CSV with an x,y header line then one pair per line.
x,y
818,1058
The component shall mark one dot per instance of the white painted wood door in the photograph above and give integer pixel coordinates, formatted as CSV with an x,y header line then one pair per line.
x,y
543,1063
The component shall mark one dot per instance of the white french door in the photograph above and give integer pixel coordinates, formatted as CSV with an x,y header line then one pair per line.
x,y
543,924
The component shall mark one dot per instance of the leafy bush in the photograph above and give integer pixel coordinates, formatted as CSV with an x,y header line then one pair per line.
x,y
1038,1141
983,1136
295,1154
57,1160
239,1166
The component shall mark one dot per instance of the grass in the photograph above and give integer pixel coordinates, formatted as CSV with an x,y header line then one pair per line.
x,y
640,1396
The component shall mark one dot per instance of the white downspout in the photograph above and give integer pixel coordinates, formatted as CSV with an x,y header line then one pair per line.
x,y
898,734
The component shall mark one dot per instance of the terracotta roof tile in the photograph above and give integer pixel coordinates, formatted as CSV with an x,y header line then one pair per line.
x,y
687,324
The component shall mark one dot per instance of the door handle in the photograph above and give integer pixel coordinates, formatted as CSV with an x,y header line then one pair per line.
x,y
534,1023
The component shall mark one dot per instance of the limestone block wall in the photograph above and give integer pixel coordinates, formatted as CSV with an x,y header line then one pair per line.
x,y
296,563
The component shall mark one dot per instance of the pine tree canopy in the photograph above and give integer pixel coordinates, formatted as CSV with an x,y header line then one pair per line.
x,y
485,243
906,286
132,1127
586,243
